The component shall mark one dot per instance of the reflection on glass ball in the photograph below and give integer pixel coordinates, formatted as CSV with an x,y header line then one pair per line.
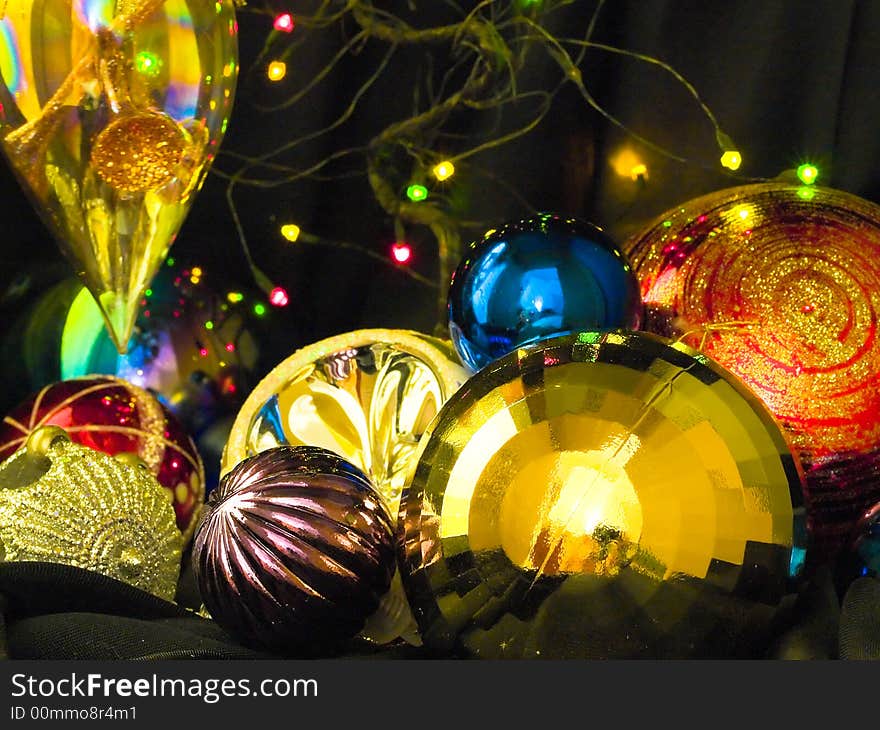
x,y
537,278
601,496
862,555
367,395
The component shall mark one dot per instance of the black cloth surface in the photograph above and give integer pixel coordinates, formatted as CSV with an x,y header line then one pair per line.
x,y
56,612
52,611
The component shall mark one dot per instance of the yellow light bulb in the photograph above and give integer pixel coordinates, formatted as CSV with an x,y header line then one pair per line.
x,y
277,70
444,170
627,163
731,159
639,171
290,231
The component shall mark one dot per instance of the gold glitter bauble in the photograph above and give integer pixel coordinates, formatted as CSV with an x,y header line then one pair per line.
x,y
80,507
139,152
780,283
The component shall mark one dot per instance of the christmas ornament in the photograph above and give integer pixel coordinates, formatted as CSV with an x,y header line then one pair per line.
x,y
295,549
190,347
65,503
601,496
116,417
366,395
537,278
781,284
110,115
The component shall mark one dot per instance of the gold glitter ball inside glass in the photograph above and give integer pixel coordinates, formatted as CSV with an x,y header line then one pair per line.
x,y
139,152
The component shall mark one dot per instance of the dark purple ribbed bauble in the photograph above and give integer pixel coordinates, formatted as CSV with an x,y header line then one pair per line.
x,y
295,549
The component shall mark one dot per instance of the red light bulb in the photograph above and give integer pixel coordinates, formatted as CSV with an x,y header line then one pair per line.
x,y
284,23
278,297
401,252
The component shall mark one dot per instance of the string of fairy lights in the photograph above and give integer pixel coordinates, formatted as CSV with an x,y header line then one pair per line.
x,y
513,27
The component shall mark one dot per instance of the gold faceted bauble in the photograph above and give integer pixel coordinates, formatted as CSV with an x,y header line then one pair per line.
x,y
65,503
139,152
601,495
366,395
780,284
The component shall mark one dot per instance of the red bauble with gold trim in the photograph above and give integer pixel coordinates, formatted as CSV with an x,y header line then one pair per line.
x,y
112,415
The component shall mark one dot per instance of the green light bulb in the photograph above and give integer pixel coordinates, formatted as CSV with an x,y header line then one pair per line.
x,y
807,173
417,193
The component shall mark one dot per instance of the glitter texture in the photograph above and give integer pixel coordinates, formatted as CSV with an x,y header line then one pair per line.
x,y
783,289
91,511
139,152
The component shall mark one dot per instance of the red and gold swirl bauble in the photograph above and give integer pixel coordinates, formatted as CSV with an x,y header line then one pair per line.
x,y
780,283
112,415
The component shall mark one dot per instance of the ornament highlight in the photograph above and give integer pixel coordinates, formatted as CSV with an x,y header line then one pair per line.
x,y
601,495
110,116
861,556
783,289
536,278
295,549
65,503
111,415
366,395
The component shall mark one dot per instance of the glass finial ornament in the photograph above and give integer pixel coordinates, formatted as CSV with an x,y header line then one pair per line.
x,y
65,503
366,395
295,550
780,283
601,495
110,115
536,278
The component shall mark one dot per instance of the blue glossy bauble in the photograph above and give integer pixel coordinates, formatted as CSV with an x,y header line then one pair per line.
x,y
538,278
